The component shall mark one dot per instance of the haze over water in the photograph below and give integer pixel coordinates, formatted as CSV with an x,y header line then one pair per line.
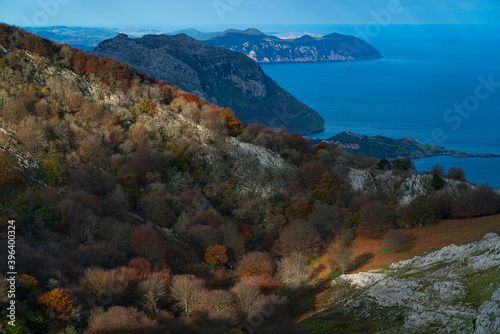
x,y
426,70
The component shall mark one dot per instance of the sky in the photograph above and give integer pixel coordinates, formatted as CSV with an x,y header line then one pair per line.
x,y
219,14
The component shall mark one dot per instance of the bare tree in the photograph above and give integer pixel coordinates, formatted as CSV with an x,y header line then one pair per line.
x,y
89,228
152,291
340,254
298,236
247,296
187,291
293,270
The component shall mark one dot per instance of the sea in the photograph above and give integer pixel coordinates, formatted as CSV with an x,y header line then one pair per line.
x,y
438,84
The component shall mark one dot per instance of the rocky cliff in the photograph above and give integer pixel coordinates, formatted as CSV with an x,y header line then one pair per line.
x,y
271,49
221,76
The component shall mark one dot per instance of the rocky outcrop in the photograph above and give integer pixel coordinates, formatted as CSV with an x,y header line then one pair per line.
x,y
223,77
488,316
439,292
405,187
270,49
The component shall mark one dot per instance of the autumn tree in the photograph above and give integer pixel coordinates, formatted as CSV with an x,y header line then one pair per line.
x,y
456,173
201,237
190,98
293,269
298,236
146,242
157,209
340,254
221,305
255,264
325,191
187,290
247,295
298,210
233,125
152,291
216,254
141,265
116,283
120,319
56,301
313,171
326,219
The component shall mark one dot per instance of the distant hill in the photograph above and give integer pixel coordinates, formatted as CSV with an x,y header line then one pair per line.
x,y
266,48
385,147
84,38
195,33
221,76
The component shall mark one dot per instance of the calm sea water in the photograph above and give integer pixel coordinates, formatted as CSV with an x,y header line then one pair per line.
x,y
426,70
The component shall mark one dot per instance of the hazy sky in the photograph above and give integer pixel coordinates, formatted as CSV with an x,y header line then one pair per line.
x,y
228,13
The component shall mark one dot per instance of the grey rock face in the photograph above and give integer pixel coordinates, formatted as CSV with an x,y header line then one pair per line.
x,y
488,316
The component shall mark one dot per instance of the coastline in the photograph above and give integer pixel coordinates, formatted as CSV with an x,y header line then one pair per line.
x,y
382,147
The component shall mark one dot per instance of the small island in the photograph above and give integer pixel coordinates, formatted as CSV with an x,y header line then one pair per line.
x,y
389,148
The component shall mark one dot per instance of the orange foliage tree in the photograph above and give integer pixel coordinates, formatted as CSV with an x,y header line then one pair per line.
x,y
146,107
216,254
233,124
298,210
56,301
326,190
456,173
190,98
255,264
28,280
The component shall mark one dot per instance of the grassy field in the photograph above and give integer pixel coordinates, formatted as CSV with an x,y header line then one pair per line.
x,y
369,254
427,239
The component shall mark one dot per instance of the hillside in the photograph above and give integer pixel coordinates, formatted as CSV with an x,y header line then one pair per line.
x,y
455,289
140,208
270,49
223,77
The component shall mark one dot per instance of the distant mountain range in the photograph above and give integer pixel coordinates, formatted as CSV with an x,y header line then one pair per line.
x,y
85,38
221,76
275,47
271,49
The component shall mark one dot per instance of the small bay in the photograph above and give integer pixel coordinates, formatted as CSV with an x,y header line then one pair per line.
x,y
425,88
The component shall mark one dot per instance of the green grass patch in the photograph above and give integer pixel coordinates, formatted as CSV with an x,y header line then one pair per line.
x,y
302,304
480,285
365,318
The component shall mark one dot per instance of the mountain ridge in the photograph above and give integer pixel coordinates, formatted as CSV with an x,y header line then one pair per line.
x,y
221,76
271,49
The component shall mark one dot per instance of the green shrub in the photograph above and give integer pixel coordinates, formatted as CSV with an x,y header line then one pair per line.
x,y
438,182
422,209
52,172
